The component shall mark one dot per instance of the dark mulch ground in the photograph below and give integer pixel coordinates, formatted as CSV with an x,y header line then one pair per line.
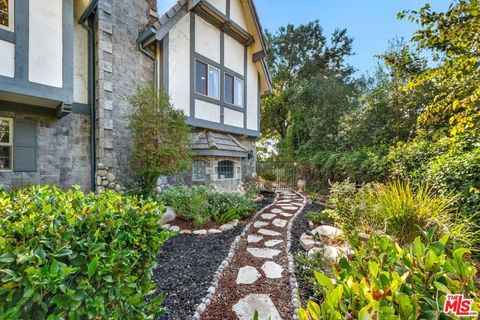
x,y
186,266
300,226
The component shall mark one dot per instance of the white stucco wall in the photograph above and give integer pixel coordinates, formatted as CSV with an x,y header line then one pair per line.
x,y
207,111
207,39
46,42
7,59
179,65
221,5
80,64
236,13
252,93
234,55
233,118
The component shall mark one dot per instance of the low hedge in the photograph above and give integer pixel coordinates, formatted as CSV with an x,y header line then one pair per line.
x,y
70,255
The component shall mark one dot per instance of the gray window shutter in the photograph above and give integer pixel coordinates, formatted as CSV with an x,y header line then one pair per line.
x,y
24,145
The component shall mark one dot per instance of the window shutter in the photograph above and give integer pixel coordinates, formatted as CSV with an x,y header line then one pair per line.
x,y
24,145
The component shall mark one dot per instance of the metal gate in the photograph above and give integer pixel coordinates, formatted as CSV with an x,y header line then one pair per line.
x,y
281,175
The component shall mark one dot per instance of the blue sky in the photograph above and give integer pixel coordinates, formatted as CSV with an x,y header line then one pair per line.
x,y
372,23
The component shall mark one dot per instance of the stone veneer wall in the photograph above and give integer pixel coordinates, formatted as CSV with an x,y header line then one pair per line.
x,y
63,152
120,68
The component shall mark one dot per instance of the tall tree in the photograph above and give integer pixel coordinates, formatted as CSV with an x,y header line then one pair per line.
x,y
453,37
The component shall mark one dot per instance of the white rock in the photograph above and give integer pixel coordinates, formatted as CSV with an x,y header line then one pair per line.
x,y
165,226
279,223
174,228
118,187
331,253
268,216
272,270
246,307
186,231
102,173
326,231
200,232
259,224
268,232
307,242
168,216
254,239
213,231
234,222
263,253
100,166
272,243
226,227
247,275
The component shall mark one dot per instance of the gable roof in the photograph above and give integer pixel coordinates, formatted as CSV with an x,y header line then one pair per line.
x,y
166,21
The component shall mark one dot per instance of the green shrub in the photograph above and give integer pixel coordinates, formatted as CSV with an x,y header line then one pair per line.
x,y
386,281
161,137
201,204
318,217
269,175
70,255
401,211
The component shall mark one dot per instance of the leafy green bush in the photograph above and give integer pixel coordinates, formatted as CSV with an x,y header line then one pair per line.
x,y
401,211
70,255
269,175
451,164
386,281
201,204
318,217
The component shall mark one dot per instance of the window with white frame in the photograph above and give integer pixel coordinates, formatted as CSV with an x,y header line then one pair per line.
x,y
225,170
233,90
207,80
6,14
6,144
198,170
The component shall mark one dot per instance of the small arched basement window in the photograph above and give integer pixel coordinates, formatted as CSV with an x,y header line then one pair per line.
x,y
225,169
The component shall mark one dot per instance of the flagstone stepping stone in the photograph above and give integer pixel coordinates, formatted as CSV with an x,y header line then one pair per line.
x,y
279,223
272,243
245,308
263,253
254,239
247,275
290,208
277,211
259,224
286,215
272,270
268,232
268,216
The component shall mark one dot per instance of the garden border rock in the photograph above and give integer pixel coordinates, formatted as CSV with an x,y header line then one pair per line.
x,y
291,260
200,308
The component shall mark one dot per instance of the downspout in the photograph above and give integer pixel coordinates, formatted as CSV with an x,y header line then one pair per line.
x,y
141,46
85,22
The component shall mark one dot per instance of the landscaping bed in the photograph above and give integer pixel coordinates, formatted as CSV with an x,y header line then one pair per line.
x,y
186,266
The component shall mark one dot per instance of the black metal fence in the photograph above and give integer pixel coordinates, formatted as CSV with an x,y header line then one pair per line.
x,y
278,175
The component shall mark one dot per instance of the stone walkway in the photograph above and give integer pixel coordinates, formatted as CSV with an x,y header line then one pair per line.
x,y
257,278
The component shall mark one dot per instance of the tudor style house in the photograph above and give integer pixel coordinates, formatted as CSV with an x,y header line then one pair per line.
x,y
67,68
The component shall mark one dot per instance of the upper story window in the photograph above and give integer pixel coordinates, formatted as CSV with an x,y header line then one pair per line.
x,y
6,144
225,170
233,90
198,170
207,80
6,14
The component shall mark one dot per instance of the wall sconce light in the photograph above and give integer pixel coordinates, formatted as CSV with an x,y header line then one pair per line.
x,y
250,155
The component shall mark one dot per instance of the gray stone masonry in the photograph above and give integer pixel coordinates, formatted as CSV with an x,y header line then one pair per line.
x,y
63,154
120,69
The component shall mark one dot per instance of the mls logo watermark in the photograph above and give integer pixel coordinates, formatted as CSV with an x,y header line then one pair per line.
x,y
459,306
